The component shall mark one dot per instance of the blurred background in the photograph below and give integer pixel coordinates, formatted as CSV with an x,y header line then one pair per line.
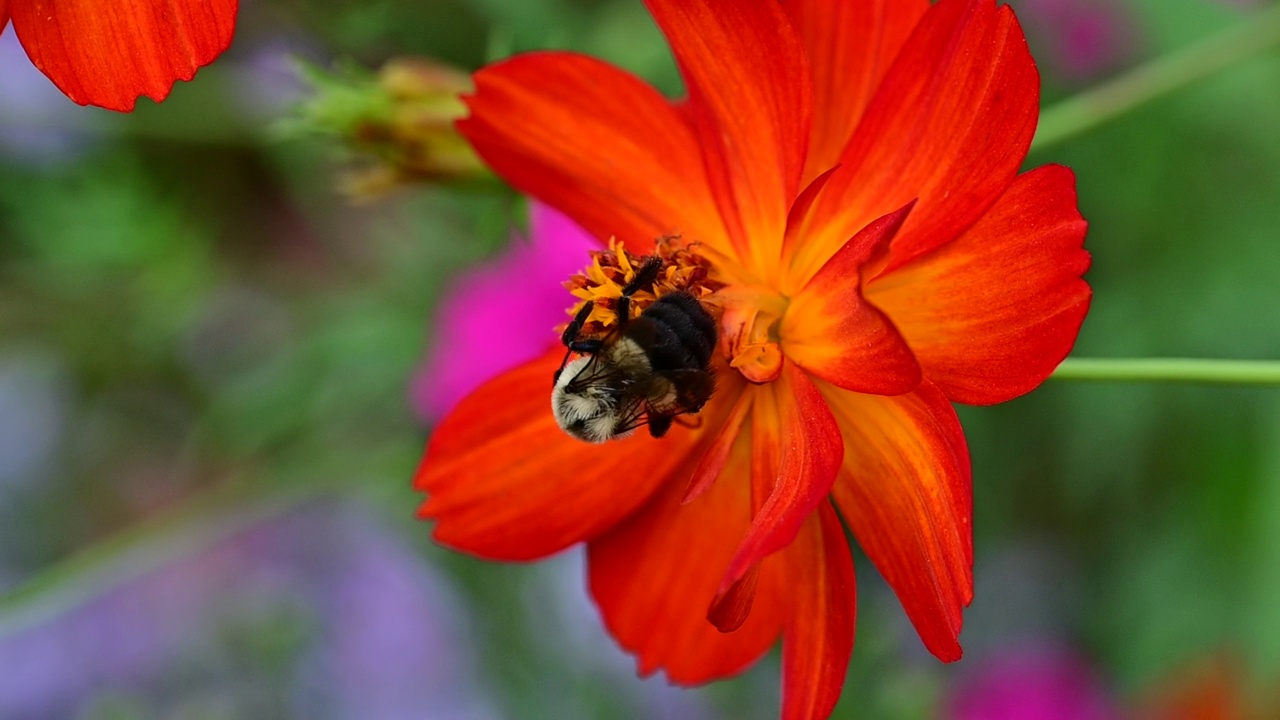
x,y
213,312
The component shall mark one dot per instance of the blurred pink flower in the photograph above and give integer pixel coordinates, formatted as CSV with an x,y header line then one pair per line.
x,y
520,291
1078,39
1031,682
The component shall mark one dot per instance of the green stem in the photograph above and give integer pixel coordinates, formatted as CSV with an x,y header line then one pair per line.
x,y
199,523
1186,370
1115,97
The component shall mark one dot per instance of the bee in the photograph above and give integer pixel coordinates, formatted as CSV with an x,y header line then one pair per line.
x,y
650,370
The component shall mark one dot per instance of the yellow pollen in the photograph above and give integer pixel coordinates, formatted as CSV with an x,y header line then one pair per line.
x,y
610,270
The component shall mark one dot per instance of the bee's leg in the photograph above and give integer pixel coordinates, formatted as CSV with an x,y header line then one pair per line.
x,y
574,327
689,422
555,378
644,276
582,347
569,338
660,424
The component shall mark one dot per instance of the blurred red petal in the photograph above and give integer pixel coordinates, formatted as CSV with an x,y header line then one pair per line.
x,y
850,46
750,99
809,452
991,314
504,482
834,333
654,574
906,491
950,125
818,640
596,143
108,54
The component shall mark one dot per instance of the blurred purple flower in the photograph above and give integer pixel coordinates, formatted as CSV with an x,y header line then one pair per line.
x,y
267,81
1078,39
320,614
1030,682
520,291
39,124
34,390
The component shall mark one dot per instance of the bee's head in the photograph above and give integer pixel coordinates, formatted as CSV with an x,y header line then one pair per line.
x,y
584,407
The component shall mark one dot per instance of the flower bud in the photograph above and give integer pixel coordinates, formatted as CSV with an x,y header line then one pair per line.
x,y
400,119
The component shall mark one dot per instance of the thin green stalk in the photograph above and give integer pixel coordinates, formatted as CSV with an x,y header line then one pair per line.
x,y
1183,370
1115,97
197,524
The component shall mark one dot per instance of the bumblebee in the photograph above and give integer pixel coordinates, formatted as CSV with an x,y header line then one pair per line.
x,y
650,370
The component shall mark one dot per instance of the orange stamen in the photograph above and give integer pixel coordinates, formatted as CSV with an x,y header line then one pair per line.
x,y
749,330
684,270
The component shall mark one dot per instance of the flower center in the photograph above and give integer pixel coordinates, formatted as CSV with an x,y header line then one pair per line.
x,y
602,283
749,330
747,315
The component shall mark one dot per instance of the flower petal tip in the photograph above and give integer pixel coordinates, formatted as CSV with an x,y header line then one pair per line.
x,y
834,332
950,655
730,608
110,59
810,451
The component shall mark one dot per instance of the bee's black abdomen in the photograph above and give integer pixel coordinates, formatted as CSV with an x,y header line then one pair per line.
x,y
684,333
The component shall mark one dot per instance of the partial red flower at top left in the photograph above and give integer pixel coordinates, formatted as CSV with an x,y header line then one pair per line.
x,y
108,53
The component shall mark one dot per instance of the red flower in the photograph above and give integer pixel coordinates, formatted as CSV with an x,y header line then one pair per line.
x,y
851,169
108,52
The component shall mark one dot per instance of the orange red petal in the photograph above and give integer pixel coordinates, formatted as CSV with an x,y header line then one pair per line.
x,y
504,482
905,490
833,332
730,610
818,640
991,314
109,53
809,455
799,218
750,99
850,46
596,143
654,574
950,125
716,453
